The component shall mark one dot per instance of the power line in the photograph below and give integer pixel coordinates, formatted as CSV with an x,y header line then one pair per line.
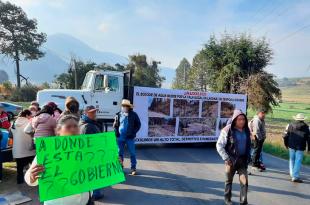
x,y
291,34
278,14
269,13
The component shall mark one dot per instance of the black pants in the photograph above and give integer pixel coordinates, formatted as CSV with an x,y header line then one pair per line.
x,y
257,146
230,171
21,163
0,163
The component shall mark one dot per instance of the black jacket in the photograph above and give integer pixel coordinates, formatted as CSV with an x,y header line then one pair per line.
x,y
134,124
297,136
88,126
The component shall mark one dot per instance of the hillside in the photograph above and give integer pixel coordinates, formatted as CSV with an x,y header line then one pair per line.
x,y
295,89
58,50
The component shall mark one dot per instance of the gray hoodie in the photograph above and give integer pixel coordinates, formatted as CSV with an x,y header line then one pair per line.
x,y
227,134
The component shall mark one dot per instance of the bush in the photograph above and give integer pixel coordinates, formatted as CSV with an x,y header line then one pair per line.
x,y
24,94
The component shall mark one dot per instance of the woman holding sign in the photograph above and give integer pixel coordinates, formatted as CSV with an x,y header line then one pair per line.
x,y
67,125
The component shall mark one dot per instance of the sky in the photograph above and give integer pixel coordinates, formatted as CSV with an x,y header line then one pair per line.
x,y
168,30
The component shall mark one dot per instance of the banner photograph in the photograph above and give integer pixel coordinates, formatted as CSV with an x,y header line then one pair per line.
x,y
180,116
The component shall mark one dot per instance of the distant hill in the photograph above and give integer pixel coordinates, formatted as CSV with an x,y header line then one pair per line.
x,y
295,89
58,50
3,76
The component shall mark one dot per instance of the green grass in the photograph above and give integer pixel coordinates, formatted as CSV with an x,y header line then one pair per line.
x,y
25,105
276,123
280,151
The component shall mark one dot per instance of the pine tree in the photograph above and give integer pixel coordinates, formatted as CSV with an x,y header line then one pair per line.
x,y
181,79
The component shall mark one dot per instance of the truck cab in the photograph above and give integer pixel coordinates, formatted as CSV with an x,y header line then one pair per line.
x,y
102,89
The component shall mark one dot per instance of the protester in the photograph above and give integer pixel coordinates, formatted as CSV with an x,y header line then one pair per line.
x,y
43,123
126,125
234,146
66,125
0,158
23,151
34,110
57,111
4,124
36,104
257,126
72,107
296,138
88,125
4,119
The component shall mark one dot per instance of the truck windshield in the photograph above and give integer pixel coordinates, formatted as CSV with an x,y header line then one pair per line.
x,y
113,84
86,84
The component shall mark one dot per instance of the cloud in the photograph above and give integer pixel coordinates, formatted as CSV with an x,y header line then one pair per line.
x,y
35,3
103,27
25,3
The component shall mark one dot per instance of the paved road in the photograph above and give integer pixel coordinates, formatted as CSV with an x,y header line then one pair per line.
x,y
193,175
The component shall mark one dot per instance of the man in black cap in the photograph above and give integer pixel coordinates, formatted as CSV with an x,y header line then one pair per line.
x,y
89,125
257,127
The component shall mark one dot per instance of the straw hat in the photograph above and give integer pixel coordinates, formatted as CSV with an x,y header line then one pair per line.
x,y
300,117
127,103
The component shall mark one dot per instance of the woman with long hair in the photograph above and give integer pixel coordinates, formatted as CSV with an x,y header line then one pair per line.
x,y
44,123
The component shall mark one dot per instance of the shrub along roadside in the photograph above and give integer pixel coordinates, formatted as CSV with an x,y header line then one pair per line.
x,y
279,151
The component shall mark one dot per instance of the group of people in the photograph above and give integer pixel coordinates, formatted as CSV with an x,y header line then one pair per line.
x,y
240,144
48,121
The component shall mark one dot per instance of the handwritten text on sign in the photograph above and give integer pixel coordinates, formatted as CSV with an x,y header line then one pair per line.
x,y
76,164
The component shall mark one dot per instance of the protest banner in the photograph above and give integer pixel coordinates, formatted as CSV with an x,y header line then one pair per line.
x,y
77,164
182,116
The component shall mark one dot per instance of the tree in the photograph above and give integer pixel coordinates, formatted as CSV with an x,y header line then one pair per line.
x,y
234,64
3,76
19,38
67,80
145,74
181,79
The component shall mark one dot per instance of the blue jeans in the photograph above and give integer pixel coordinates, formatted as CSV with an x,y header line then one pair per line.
x,y
132,150
296,157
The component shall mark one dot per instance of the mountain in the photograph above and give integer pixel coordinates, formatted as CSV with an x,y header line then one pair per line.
x,y
58,50
65,46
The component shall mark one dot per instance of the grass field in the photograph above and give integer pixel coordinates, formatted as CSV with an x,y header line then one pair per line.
x,y
296,99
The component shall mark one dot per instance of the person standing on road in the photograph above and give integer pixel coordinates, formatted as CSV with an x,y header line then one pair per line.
x,y
296,138
66,126
23,150
4,124
43,123
72,107
257,126
36,104
89,125
4,119
126,126
234,146
57,111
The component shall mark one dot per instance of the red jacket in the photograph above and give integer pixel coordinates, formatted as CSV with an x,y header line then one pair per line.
x,y
4,121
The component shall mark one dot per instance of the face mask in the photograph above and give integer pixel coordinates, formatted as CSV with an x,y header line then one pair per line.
x,y
125,109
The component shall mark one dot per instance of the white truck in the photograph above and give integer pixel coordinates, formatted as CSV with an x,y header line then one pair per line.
x,y
167,115
102,89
